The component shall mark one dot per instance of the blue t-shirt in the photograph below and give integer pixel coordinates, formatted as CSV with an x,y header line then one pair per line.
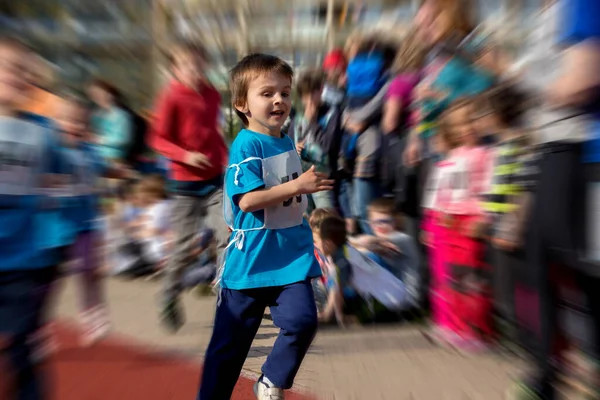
x,y
29,149
268,257
580,23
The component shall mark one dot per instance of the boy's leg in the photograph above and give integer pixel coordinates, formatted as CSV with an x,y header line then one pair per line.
x,y
19,314
237,320
295,313
186,218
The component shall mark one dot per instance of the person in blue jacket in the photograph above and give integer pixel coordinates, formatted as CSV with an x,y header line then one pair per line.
x,y
29,159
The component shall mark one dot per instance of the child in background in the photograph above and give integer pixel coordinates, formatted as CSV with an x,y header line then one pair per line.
x,y
434,235
317,134
86,168
506,200
152,228
204,269
368,81
342,301
468,288
322,285
270,260
360,286
334,90
186,131
398,250
29,155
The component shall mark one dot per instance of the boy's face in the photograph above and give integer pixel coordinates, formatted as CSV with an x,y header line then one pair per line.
x,y
462,128
72,120
13,82
381,223
188,67
268,103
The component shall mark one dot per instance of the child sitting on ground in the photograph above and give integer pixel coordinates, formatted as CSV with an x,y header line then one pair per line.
x,y
360,286
152,229
393,249
322,284
204,269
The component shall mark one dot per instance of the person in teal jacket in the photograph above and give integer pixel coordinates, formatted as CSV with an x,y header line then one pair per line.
x,y
112,124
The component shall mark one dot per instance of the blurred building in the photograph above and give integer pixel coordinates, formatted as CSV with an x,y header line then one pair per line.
x,y
124,41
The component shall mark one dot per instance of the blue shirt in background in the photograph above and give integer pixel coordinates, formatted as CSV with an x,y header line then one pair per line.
x,y
268,257
29,151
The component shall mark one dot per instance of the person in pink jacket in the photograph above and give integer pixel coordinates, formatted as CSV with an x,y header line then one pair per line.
x,y
467,288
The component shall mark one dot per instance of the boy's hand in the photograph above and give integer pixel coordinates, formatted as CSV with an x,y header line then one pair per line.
x,y
197,160
312,181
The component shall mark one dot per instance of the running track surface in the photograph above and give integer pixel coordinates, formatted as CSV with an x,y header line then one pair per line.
x,y
119,369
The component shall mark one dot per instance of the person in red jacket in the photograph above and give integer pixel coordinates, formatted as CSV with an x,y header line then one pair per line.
x,y
186,132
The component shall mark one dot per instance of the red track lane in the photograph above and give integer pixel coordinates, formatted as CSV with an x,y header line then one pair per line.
x,y
116,370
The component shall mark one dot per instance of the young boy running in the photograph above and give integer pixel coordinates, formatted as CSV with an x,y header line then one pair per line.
x,y
270,260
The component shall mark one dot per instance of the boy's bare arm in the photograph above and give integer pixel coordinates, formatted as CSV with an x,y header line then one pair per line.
x,y
309,182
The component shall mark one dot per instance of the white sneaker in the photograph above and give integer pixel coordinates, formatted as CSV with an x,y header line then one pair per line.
x,y
264,392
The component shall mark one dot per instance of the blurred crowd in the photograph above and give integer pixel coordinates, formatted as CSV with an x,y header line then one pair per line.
x,y
465,191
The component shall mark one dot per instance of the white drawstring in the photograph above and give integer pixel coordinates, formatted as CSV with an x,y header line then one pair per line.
x,y
236,180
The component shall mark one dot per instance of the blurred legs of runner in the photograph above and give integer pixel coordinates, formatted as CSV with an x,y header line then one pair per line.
x,y
190,214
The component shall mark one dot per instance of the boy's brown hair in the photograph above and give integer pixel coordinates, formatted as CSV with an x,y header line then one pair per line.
x,y
319,215
153,185
310,82
334,230
385,205
249,68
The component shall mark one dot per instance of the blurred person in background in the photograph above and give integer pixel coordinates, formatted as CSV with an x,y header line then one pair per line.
x,y
433,235
360,286
499,113
368,79
85,167
138,154
41,100
396,123
111,123
152,228
30,160
560,71
186,132
317,134
468,284
450,71
334,66
397,251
